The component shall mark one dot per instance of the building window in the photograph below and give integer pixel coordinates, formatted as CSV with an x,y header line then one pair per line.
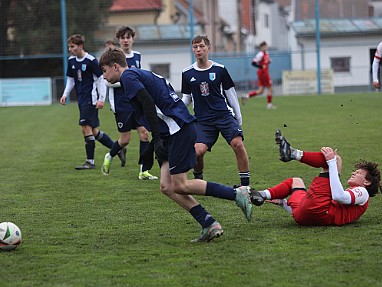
x,y
266,21
340,65
161,69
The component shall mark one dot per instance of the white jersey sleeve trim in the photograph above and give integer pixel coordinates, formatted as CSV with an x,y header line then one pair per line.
x,y
69,86
234,103
352,196
337,190
101,87
115,85
359,194
187,99
259,56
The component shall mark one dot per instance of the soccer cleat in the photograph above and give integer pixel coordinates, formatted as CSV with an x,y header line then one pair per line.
x,y
122,156
209,233
106,164
256,198
284,147
147,176
86,165
243,201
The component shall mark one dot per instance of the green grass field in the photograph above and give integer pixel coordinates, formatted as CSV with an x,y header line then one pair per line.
x,y
81,228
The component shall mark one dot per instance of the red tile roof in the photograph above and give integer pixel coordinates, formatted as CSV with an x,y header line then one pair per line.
x,y
134,5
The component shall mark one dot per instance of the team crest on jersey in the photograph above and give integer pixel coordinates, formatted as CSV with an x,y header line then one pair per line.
x,y
212,76
120,125
137,63
204,89
83,67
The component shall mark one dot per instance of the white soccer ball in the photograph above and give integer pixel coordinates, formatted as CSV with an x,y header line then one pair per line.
x,y
10,236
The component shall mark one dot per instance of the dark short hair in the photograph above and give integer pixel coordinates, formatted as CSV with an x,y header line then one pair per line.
x,y
199,38
76,39
124,30
262,44
373,175
112,56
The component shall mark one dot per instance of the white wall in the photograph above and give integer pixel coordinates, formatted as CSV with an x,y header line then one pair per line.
x,y
263,33
357,48
178,58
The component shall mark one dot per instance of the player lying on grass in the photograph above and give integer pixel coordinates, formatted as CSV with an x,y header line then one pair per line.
x,y
325,202
173,131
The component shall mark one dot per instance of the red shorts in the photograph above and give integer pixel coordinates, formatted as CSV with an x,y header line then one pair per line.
x,y
312,207
264,79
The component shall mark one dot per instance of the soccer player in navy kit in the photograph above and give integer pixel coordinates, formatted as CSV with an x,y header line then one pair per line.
x,y
173,131
209,86
326,202
123,110
85,76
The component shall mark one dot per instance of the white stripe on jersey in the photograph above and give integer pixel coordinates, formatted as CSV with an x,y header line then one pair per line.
x,y
94,90
173,127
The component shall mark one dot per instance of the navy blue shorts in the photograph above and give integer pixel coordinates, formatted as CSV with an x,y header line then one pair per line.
x,y
89,116
129,121
208,132
181,149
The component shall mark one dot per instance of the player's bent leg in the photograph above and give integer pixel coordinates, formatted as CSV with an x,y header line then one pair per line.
x,y
238,147
200,150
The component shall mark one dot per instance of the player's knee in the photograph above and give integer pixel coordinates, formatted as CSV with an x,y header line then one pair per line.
x,y
237,144
179,187
298,183
166,189
144,135
200,152
124,142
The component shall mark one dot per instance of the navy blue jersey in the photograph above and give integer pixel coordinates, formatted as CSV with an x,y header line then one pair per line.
x,y
119,103
171,111
207,89
85,72
133,59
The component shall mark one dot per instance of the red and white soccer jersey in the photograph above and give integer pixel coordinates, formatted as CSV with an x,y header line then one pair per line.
x,y
316,206
262,59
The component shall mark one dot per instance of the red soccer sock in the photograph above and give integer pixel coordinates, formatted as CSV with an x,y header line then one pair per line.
x,y
281,190
314,159
252,94
269,99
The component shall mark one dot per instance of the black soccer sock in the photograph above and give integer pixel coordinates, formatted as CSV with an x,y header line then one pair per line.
x,y
198,175
245,178
104,139
115,149
143,145
202,216
89,147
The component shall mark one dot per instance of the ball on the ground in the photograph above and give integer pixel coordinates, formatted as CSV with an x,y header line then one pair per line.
x,y
10,236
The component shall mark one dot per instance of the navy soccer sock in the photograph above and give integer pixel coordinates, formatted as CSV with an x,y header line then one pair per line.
x,y
104,139
115,149
219,190
202,216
